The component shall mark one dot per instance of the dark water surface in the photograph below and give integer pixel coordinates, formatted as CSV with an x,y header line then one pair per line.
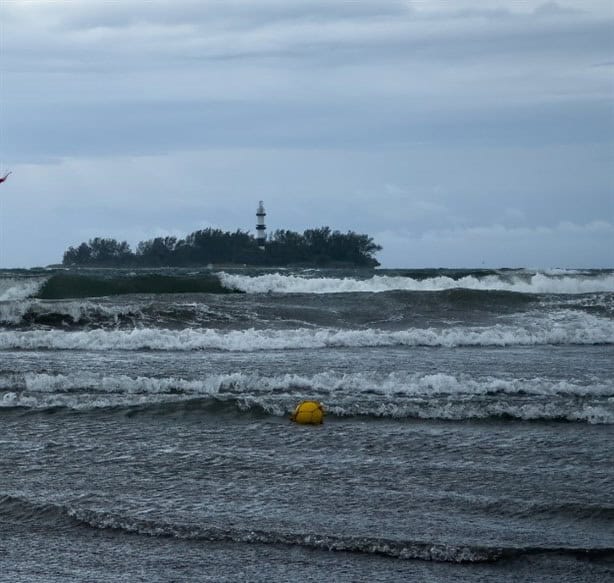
x,y
145,436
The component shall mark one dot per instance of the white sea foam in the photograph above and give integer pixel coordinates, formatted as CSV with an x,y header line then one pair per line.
x,y
13,288
395,395
82,310
536,283
12,312
329,382
563,327
458,410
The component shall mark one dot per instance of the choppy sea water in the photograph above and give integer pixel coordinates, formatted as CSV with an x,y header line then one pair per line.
x,y
468,437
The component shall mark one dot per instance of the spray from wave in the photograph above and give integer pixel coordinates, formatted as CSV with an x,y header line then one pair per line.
x,y
14,288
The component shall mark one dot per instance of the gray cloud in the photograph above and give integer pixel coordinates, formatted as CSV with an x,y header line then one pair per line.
x,y
415,120
159,34
152,128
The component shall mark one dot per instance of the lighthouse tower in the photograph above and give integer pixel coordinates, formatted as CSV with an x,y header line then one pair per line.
x,y
260,226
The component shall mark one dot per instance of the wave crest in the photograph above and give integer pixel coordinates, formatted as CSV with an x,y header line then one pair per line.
x,y
24,509
558,329
538,283
19,288
392,396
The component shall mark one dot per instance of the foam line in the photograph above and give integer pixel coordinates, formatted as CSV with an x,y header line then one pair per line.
x,y
558,329
539,283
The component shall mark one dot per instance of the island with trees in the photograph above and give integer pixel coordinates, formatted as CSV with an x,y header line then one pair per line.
x,y
318,247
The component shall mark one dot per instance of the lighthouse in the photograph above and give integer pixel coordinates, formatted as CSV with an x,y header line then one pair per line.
x,y
260,226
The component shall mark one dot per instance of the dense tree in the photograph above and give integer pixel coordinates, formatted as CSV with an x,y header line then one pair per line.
x,y
320,246
109,251
157,251
81,255
99,251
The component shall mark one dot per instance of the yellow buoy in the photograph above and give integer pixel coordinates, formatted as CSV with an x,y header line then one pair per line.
x,y
308,413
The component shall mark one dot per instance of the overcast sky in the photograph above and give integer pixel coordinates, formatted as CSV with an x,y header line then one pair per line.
x,y
455,133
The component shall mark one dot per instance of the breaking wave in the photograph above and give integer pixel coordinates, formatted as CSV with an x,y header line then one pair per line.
x,y
64,314
73,314
67,285
128,313
394,308
23,509
19,288
538,283
558,329
394,396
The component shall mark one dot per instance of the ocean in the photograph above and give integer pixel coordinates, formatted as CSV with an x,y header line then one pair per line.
x,y
145,436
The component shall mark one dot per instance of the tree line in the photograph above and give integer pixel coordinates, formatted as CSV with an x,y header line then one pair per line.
x,y
320,247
